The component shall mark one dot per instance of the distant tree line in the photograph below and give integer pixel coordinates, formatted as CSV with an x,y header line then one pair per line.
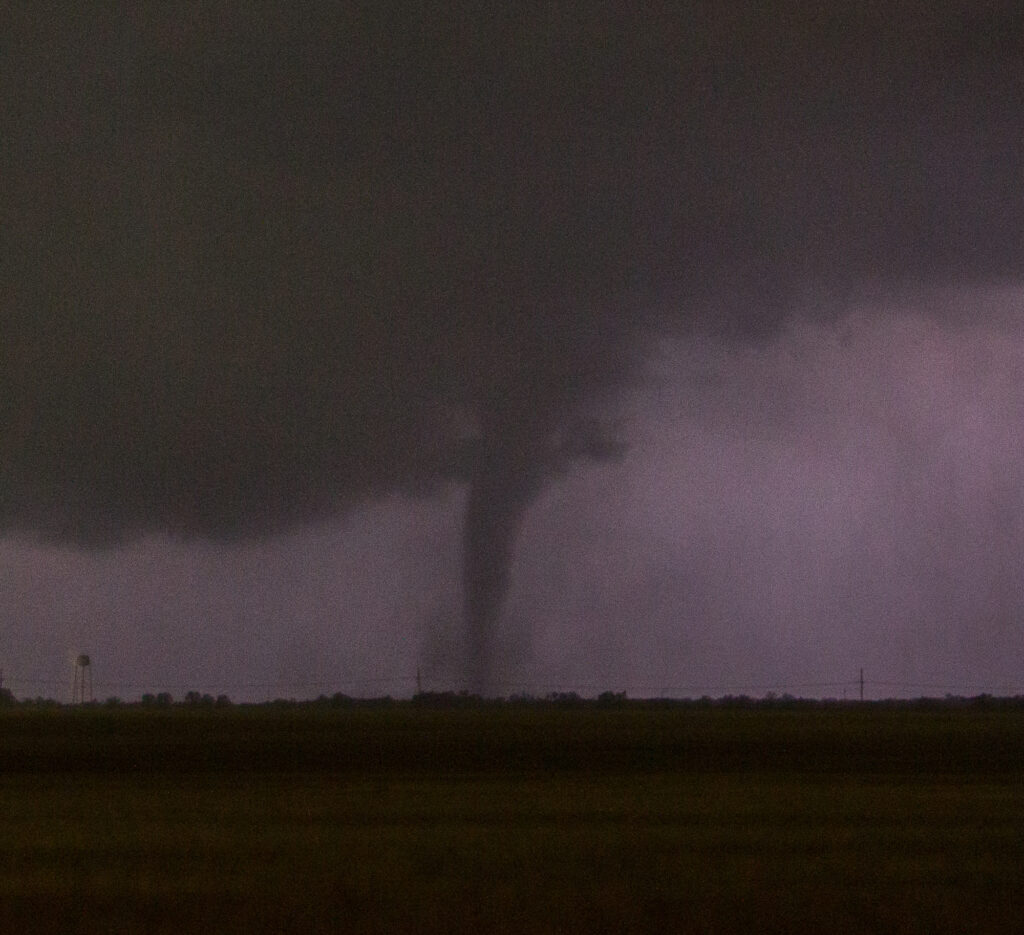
x,y
463,699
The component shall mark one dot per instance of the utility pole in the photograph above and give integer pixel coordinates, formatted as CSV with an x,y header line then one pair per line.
x,y
419,682
861,684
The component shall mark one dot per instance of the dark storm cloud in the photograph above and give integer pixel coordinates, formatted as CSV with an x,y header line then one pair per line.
x,y
264,264
264,261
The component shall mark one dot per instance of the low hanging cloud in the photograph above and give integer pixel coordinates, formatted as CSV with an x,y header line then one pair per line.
x,y
843,496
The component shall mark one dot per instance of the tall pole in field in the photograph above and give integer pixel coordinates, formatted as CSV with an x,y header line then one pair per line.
x,y
861,684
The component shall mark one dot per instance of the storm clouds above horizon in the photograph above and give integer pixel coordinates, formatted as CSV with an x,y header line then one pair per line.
x,y
689,347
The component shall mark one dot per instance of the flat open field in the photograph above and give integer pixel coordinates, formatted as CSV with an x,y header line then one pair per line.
x,y
512,819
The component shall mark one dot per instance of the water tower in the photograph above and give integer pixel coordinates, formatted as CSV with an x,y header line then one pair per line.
x,y
81,685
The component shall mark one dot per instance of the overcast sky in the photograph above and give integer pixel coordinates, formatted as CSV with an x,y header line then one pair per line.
x,y
673,353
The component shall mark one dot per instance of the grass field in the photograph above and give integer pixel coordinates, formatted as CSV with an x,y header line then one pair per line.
x,y
505,819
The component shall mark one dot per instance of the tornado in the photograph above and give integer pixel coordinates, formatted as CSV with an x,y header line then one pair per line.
x,y
510,465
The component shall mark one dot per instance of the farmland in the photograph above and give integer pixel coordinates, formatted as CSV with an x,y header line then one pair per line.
x,y
517,818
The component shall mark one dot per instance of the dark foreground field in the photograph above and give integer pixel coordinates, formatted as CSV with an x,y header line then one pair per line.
x,y
512,819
